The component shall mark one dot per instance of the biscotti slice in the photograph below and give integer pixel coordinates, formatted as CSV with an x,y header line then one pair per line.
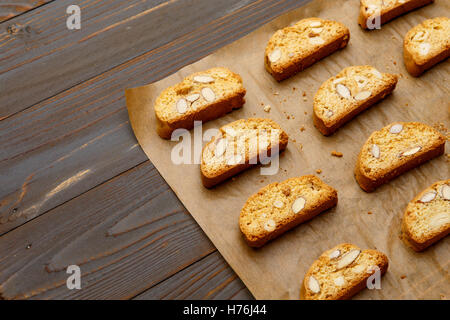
x,y
281,206
395,149
426,45
353,90
386,10
342,272
202,96
292,49
238,146
427,217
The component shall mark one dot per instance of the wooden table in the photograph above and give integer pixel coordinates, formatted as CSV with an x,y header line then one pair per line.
x,y
75,187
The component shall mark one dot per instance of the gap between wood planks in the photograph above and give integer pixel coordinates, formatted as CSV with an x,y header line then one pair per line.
x,y
31,7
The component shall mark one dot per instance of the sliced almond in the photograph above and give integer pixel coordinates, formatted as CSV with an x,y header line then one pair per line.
x,y
396,128
270,225
316,40
221,147
315,24
444,192
348,258
343,91
275,55
375,151
338,80
427,197
313,285
316,31
361,81
439,220
231,132
335,254
208,94
193,97
195,105
363,95
182,106
372,8
233,160
424,48
377,73
339,281
298,205
420,36
203,79
411,151
359,268
278,204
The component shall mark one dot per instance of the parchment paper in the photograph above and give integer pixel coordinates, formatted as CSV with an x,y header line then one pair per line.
x,y
276,270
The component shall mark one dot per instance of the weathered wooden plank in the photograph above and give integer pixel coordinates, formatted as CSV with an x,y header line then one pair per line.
x,y
41,57
126,235
13,8
209,278
66,145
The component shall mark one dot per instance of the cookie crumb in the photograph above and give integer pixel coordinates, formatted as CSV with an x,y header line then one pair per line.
x,y
319,171
402,276
306,113
276,93
267,108
370,212
304,93
294,88
302,128
288,117
337,154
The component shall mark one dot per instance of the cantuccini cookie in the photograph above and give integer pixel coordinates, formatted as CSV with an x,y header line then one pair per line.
x,y
395,149
238,146
341,272
294,48
427,217
426,45
281,206
385,10
202,96
353,90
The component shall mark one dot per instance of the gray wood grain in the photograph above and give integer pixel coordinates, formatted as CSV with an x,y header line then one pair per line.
x,y
126,235
209,278
42,57
12,8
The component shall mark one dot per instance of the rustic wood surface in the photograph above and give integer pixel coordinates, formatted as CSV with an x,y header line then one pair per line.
x,y
10,9
75,186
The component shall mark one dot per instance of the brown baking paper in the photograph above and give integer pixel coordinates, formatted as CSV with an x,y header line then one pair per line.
x,y
276,270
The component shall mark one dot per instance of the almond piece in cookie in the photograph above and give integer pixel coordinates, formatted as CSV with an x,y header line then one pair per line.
x,y
426,45
294,48
395,149
282,206
341,272
238,146
427,217
202,96
350,92
386,10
